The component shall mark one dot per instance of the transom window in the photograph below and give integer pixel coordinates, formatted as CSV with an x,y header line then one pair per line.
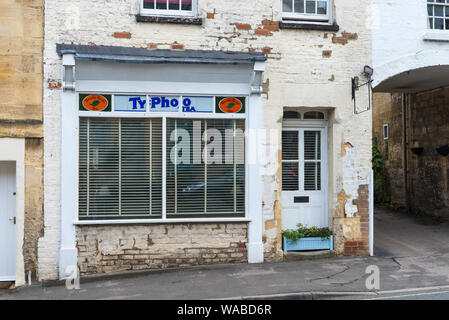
x,y
438,12
169,7
316,10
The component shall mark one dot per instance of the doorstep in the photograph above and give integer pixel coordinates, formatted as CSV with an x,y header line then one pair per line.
x,y
309,255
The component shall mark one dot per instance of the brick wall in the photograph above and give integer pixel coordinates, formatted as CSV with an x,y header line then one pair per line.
x,y
427,119
387,109
135,247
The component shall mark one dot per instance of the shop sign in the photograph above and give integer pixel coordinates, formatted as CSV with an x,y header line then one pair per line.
x,y
230,104
198,104
164,104
130,103
95,102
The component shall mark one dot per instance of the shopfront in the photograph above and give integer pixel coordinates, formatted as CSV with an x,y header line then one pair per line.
x,y
156,145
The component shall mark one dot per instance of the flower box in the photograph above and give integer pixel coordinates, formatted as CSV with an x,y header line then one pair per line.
x,y
305,244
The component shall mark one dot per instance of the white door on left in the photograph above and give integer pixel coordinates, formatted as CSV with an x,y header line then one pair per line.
x,y
7,221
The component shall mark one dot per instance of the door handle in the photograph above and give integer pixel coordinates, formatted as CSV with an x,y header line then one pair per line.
x,y
13,219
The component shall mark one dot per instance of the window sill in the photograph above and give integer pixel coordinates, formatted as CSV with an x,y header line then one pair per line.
x,y
308,26
160,221
175,20
436,36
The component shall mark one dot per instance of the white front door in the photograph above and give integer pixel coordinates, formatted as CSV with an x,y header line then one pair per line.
x,y
304,177
7,221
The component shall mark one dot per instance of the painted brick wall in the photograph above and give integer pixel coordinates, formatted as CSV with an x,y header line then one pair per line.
x,y
134,247
304,69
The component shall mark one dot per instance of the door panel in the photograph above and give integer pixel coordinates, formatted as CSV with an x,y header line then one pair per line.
x,y
7,221
304,179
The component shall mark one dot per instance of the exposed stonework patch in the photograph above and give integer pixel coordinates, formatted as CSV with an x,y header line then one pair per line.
x,y
54,84
343,148
342,198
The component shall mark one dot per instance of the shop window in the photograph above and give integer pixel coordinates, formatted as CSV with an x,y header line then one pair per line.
x,y
121,169
306,10
169,7
438,14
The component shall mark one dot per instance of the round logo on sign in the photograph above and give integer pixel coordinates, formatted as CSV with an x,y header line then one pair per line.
x,y
230,105
95,102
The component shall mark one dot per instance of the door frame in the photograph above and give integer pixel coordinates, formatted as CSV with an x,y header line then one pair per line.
x,y
13,149
315,124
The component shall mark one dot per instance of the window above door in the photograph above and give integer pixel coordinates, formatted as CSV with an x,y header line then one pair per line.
x,y
307,11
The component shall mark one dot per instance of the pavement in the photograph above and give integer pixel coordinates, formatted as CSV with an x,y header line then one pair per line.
x,y
412,256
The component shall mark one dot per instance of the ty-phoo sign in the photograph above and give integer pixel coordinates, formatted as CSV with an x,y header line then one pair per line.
x,y
95,102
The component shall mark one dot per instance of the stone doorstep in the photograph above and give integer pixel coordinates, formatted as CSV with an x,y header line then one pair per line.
x,y
6,285
309,255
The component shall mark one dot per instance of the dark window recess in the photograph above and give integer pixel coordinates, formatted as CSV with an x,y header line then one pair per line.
x,y
175,20
301,200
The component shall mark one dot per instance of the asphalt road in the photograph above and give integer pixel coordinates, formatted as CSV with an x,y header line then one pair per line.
x,y
412,258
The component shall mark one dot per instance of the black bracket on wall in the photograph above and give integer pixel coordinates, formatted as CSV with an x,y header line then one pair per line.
x,y
368,72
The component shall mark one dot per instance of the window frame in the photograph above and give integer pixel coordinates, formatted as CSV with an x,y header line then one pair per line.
x,y
232,217
169,13
293,17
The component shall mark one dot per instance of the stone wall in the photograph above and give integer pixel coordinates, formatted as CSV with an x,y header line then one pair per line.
x,y
429,173
136,247
21,45
387,109
427,126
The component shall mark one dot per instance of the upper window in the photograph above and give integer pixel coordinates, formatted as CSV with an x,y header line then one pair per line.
x,y
169,7
438,12
315,10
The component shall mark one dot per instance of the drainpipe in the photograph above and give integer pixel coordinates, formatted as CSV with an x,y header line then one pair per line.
x,y
404,124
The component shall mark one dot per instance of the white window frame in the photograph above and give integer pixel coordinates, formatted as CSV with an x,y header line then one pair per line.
x,y
164,116
294,17
386,131
436,4
170,13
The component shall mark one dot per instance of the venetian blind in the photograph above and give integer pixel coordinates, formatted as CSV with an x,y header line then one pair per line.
x,y
205,167
120,168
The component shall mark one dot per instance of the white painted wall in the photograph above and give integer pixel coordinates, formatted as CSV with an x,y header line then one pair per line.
x,y
401,40
297,72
